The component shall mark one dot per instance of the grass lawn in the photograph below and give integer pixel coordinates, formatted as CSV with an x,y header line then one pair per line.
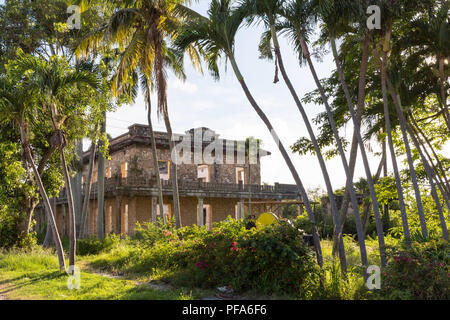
x,y
36,275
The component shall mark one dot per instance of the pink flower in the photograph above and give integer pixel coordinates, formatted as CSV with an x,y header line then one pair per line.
x,y
233,246
202,265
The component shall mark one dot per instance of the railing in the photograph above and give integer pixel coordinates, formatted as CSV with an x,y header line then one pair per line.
x,y
112,184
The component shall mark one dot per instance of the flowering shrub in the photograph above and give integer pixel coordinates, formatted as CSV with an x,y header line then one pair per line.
x,y
421,272
273,260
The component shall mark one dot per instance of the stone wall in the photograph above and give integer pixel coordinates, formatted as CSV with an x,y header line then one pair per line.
x,y
140,162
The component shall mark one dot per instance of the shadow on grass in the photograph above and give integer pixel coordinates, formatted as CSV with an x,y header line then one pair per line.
x,y
15,283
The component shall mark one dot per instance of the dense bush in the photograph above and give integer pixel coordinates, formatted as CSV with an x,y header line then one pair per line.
x,y
272,260
90,246
10,234
419,272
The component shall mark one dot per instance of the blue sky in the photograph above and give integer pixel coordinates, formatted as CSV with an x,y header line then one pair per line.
x,y
223,107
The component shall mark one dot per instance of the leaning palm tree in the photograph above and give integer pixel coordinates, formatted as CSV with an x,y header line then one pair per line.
x,y
16,105
52,81
391,147
268,11
215,36
327,15
403,124
429,174
141,29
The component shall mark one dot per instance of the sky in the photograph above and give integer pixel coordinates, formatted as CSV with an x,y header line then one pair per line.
x,y
223,107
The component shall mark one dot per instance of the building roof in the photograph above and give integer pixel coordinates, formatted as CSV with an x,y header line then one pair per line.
x,y
140,134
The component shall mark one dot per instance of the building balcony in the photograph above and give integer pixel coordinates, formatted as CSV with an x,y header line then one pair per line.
x,y
144,186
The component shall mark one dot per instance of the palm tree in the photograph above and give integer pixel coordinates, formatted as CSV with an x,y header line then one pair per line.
x,y
391,146
141,29
429,33
268,11
52,81
332,25
432,184
412,171
88,186
215,36
16,106
101,184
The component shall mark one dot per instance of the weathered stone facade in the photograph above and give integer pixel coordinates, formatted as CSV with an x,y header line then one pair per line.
x,y
131,192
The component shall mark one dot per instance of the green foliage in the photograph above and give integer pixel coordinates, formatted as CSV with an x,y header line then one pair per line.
x,y
92,246
272,260
419,272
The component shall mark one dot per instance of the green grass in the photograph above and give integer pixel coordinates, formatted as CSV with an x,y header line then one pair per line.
x,y
35,275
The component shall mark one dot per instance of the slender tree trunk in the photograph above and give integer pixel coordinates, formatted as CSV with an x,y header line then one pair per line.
x,y
101,185
432,185
87,191
154,154
438,161
366,213
173,173
48,240
442,81
61,141
285,155
392,151
350,187
375,206
50,215
27,207
435,172
76,184
412,171
72,227
324,170
386,218
359,113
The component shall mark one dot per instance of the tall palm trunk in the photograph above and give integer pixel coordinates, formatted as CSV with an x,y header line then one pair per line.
x,y
173,173
392,151
61,141
285,155
47,206
154,154
357,130
402,120
432,185
436,174
87,191
442,82
350,186
359,113
386,218
101,185
334,208
72,227
438,161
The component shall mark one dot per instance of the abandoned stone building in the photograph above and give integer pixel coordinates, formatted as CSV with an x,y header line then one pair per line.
x,y
208,193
